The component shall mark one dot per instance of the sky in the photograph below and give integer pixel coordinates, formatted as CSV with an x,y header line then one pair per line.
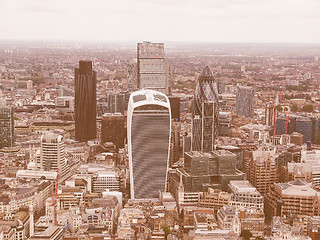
x,y
283,21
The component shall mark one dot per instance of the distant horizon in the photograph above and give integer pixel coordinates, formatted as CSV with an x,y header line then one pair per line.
x,y
119,42
240,21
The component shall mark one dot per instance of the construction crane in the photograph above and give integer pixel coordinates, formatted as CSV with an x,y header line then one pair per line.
x,y
55,197
285,140
274,121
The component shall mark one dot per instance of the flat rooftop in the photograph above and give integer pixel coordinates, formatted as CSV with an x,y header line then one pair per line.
x,y
242,186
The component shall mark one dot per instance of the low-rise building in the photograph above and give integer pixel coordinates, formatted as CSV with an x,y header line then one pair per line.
x,y
244,195
214,199
252,220
228,219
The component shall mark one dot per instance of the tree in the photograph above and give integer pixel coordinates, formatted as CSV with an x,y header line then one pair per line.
x,y
294,108
166,230
246,234
279,108
307,108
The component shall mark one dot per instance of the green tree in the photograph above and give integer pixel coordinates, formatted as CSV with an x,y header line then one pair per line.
x,y
307,108
279,108
246,234
166,230
294,108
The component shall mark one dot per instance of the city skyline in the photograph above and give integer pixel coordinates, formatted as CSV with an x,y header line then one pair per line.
x,y
188,21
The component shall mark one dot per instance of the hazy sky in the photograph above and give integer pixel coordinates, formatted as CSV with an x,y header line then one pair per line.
x,y
296,21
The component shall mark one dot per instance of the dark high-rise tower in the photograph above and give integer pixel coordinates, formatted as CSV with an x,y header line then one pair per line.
x,y
85,102
113,129
6,127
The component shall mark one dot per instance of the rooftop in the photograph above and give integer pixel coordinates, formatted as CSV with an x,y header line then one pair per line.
x,y
297,188
242,186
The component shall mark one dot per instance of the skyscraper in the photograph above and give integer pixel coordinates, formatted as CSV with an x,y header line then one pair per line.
x,y
205,104
113,129
175,146
6,127
245,101
149,129
85,102
206,90
153,70
118,102
175,108
208,128
196,133
52,154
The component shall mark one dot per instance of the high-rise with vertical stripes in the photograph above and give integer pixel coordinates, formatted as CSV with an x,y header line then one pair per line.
x,y
85,102
149,128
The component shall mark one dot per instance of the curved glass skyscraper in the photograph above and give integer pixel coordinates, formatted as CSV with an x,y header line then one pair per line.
x,y
206,90
205,105
149,127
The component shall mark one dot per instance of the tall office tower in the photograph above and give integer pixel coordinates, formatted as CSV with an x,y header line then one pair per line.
x,y
6,126
206,91
85,102
221,86
175,108
132,83
307,126
113,129
208,130
52,154
118,102
175,138
148,131
186,145
245,101
270,110
153,70
196,133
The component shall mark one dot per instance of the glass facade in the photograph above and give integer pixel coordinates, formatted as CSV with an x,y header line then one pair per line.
x,y
205,104
149,131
